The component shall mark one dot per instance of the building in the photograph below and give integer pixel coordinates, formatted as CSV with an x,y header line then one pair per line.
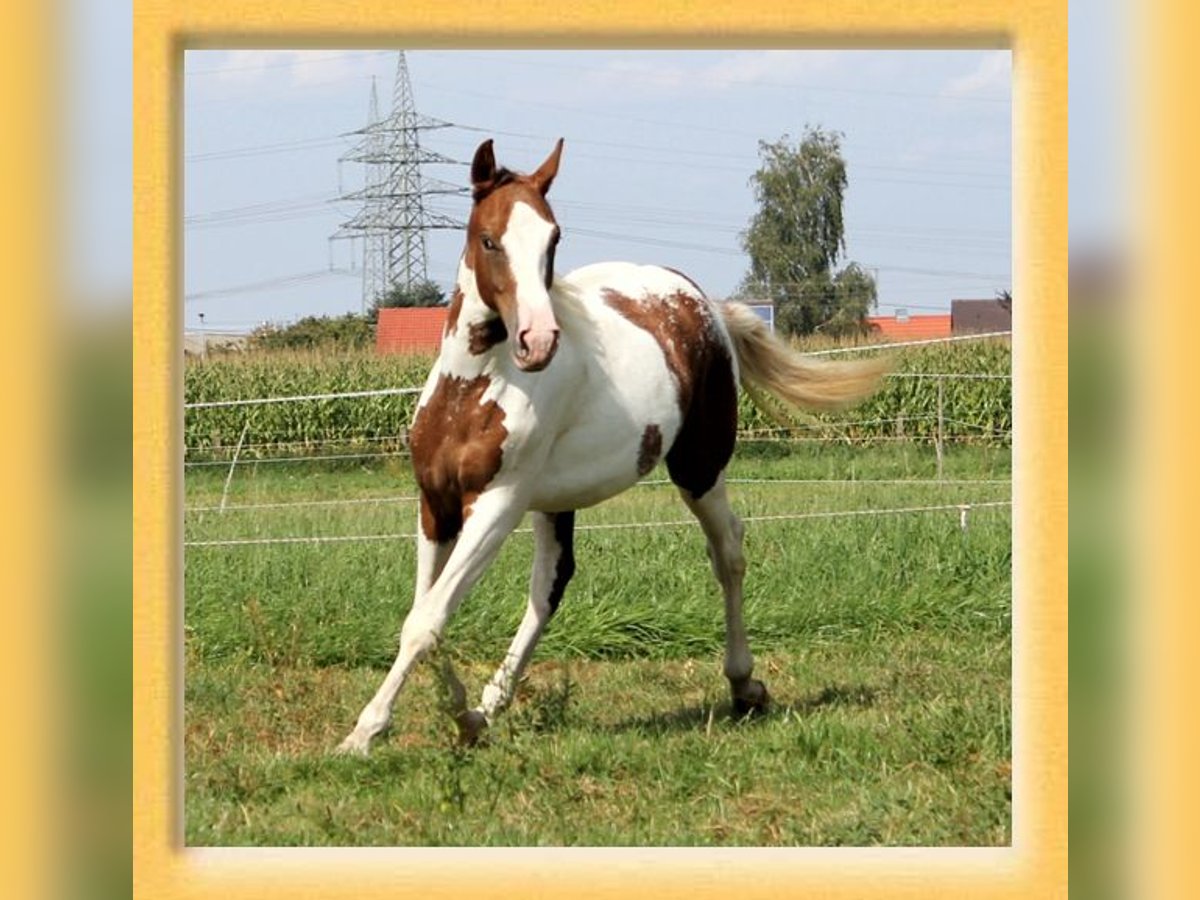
x,y
200,342
903,327
410,330
980,316
965,317
764,309
419,330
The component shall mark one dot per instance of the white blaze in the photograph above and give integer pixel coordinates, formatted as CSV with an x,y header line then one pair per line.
x,y
526,241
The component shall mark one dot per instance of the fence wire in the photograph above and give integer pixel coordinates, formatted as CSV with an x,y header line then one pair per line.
x,y
961,508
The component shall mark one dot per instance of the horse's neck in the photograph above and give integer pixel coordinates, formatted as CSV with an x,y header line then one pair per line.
x,y
473,331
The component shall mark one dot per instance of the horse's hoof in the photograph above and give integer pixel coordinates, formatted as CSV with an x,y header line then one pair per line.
x,y
472,725
353,745
751,698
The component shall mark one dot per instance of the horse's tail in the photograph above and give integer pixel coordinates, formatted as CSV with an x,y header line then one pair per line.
x,y
768,363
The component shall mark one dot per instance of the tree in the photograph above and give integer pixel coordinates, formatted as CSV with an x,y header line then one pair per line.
x,y
348,332
797,235
423,293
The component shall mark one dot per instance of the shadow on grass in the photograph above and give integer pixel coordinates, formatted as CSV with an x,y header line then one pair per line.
x,y
834,695
686,718
698,717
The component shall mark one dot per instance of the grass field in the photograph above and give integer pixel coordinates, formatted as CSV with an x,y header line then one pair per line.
x,y
885,641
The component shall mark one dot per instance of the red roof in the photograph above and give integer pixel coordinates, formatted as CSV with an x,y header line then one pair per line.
x,y
911,328
407,330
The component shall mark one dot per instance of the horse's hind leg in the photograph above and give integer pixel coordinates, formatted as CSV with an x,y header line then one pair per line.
x,y
724,532
553,566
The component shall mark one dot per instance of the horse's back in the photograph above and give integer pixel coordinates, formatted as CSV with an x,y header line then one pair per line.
x,y
591,281
686,373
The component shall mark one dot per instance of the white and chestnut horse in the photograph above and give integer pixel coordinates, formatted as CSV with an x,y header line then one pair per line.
x,y
552,394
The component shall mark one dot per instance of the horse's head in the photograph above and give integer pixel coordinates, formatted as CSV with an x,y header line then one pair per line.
x,y
511,238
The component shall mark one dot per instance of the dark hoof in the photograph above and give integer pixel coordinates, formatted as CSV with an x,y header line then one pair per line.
x,y
751,698
472,726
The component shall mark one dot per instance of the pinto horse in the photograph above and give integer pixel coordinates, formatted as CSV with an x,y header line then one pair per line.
x,y
553,394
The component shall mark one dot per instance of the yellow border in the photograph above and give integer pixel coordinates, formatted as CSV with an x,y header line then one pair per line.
x,y
30,654
1035,866
1164,494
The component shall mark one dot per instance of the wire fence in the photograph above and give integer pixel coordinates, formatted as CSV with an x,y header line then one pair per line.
x,y
298,398
899,344
935,429
962,509
408,391
653,483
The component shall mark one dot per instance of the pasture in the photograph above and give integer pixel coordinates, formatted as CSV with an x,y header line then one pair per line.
x,y
884,639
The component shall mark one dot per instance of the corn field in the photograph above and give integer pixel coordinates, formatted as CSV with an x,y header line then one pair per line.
x,y
971,410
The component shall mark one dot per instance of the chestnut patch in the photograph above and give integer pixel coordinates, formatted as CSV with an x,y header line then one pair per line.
x,y
456,442
456,302
650,449
482,336
692,347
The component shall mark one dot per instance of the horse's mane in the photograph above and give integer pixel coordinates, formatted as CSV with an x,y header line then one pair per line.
x,y
574,317
502,177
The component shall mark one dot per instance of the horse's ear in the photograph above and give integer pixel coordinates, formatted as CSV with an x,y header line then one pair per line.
x,y
483,167
544,176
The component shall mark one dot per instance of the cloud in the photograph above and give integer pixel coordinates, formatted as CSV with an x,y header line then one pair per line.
x,y
243,67
992,75
766,67
674,78
333,67
287,68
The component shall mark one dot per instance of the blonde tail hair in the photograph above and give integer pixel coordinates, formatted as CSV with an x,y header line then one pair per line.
x,y
767,363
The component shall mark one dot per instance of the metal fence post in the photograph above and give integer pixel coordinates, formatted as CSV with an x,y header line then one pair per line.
x,y
941,426
233,464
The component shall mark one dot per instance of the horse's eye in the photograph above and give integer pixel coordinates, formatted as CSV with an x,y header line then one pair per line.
x,y
489,244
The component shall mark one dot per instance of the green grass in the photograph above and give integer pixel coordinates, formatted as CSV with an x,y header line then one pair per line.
x,y
885,642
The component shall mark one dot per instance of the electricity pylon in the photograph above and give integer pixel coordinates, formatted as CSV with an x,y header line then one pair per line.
x,y
393,219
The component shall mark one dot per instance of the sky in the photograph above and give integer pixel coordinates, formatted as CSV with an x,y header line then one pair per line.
x,y
660,148
717,104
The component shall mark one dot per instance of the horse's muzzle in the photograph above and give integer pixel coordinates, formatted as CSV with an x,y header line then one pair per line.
x,y
535,349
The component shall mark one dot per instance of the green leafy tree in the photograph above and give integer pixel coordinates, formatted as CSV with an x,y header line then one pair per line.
x,y
422,293
797,235
348,332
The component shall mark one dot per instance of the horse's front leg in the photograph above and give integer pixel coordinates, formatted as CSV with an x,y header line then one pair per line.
x,y
553,566
492,518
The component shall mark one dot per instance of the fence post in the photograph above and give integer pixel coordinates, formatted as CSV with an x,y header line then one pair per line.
x,y
941,422
233,464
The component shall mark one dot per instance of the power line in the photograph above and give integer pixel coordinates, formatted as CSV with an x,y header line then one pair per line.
x,y
716,167
267,207
280,281
266,149
323,141
657,123
656,216
674,151
707,248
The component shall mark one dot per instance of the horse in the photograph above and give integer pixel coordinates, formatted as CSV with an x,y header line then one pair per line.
x,y
551,394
